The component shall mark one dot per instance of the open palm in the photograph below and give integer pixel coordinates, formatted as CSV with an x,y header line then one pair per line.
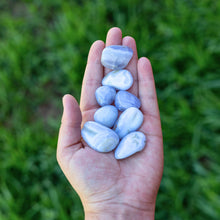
x,y
103,183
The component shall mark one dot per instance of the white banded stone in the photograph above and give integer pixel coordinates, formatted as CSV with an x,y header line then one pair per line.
x,y
105,95
99,137
116,57
124,100
130,144
106,115
119,79
130,120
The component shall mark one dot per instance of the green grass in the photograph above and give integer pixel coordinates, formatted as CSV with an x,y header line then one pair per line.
x,y
43,52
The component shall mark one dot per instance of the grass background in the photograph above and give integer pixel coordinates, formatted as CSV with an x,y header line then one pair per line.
x,y
43,52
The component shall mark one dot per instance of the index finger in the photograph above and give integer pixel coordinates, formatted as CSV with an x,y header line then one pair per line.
x,y
92,78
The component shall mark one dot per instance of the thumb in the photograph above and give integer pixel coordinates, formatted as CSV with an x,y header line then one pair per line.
x,y
70,129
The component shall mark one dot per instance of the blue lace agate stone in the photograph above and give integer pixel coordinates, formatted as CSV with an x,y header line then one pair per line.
x,y
105,95
119,79
116,57
130,144
124,100
130,120
99,137
106,115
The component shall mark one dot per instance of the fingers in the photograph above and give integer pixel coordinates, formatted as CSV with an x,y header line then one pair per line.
x,y
132,66
70,129
114,37
148,97
92,77
147,91
151,126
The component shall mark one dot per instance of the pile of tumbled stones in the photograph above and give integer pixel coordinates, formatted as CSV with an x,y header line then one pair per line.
x,y
109,130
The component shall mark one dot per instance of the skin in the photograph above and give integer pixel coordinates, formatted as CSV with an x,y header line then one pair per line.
x,y
110,188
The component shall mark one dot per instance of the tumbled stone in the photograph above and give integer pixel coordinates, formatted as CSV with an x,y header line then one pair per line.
x,y
106,115
116,57
119,79
99,137
130,120
105,95
124,100
130,144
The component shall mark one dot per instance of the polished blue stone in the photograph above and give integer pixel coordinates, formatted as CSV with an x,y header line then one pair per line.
x,y
116,57
124,100
130,144
119,79
130,120
105,95
106,115
99,137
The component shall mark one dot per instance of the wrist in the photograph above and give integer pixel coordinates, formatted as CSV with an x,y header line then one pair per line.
x,y
120,213
117,216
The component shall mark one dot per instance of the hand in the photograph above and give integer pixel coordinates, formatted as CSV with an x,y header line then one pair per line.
x,y
110,188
